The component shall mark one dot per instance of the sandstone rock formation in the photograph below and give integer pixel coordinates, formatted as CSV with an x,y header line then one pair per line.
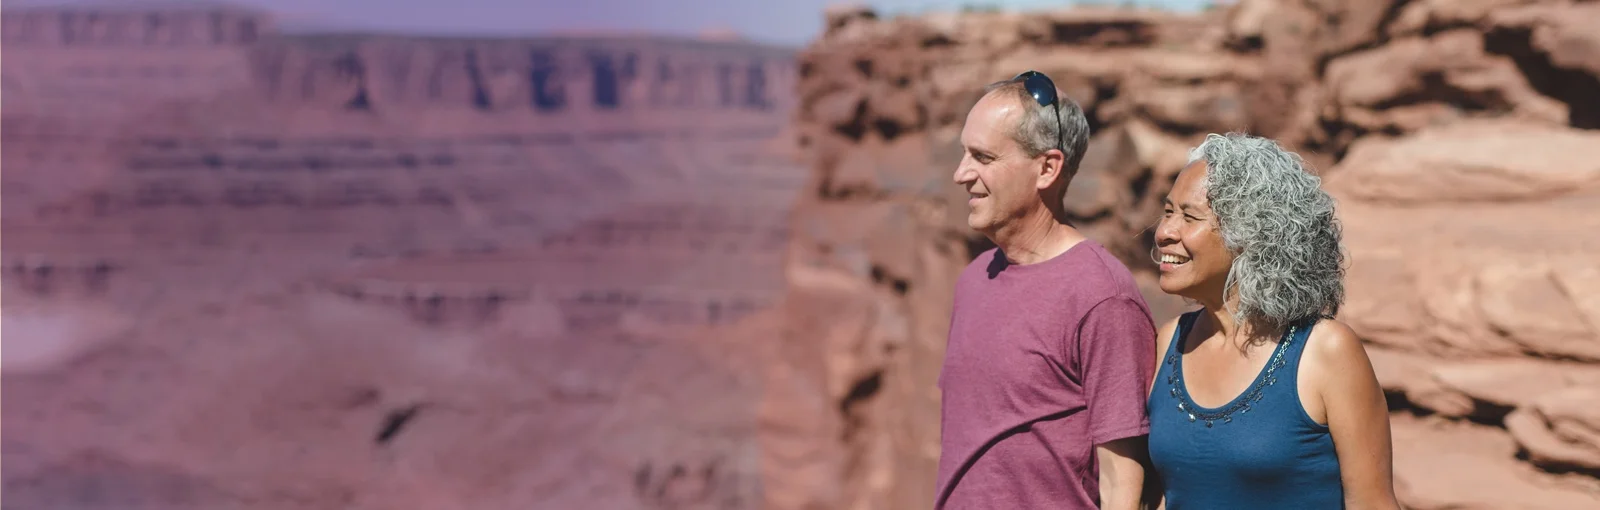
x,y
1471,161
382,271
1453,134
251,270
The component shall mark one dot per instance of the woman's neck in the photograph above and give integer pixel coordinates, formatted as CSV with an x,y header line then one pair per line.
x,y
1220,312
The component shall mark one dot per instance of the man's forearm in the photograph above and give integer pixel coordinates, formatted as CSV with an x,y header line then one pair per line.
x,y
1121,473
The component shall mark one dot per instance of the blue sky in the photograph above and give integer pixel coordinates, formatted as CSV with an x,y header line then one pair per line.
x,y
781,21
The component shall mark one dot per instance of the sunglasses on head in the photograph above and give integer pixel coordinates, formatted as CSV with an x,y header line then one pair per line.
x,y
1044,91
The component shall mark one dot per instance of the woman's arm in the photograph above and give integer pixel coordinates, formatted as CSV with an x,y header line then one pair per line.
x,y
1154,497
1357,415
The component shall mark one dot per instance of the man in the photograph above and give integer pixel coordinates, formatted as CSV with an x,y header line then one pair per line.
x,y
1051,346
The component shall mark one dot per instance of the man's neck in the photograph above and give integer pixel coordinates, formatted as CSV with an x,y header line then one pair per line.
x,y
1036,238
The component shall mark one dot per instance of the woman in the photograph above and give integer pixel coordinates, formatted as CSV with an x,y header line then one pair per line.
x,y
1261,399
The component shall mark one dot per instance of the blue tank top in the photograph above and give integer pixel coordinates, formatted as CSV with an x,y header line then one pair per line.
x,y
1259,451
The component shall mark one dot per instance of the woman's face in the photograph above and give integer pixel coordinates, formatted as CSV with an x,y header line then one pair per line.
x,y
1194,262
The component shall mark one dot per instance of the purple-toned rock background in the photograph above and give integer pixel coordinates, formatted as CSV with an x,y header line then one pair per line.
x,y
244,269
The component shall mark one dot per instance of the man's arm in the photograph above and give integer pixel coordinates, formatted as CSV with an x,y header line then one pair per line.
x,y
1121,473
1116,343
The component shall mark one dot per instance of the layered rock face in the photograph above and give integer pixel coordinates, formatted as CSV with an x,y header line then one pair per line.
x,y
1455,135
249,270
362,271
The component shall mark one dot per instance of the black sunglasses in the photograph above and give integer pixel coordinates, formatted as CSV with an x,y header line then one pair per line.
x,y
1044,91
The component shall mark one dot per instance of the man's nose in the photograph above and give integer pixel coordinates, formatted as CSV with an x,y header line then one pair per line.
x,y
964,173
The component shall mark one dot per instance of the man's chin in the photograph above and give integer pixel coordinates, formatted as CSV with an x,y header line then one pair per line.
x,y
978,225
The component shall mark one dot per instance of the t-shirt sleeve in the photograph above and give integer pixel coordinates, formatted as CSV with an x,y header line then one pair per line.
x,y
1116,351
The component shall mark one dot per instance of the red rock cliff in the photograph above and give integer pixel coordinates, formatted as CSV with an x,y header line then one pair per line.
x,y
1456,135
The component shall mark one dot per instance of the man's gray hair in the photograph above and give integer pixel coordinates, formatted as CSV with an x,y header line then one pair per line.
x,y
1039,130
1280,225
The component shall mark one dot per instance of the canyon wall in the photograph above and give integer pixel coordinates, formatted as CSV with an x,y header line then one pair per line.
x,y
245,269
1457,136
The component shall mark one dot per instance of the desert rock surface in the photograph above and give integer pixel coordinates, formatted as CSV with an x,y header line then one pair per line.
x,y
1455,136
245,269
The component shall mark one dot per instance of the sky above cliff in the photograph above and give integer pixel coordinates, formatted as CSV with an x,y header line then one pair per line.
x,y
790,22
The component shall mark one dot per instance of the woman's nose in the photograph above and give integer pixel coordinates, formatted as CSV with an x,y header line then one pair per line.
x,y
1165,232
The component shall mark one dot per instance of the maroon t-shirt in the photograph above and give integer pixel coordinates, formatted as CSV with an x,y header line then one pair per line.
x,y
1044,362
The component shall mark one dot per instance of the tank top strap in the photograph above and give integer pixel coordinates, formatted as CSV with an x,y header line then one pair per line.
x,y
1295,348
1175,346
1185,323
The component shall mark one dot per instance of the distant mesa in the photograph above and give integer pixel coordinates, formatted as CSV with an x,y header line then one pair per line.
x,y
432,305
724,34
203,49
594,289
41,275
498,228
197,105
138,23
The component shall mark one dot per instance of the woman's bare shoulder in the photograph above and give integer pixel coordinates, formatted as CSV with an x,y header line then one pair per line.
x,y
1336,351
1333,341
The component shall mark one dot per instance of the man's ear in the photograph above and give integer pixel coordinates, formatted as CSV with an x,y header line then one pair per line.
x,y
1050,168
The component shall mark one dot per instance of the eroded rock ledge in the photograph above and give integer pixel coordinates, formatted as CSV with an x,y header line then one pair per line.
x,y
1452,134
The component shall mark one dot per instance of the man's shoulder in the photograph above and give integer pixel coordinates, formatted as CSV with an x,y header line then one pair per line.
x,y
1098,282
1099,271
1100,257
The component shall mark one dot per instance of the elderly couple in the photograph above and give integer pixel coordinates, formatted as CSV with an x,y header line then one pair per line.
x,y
1058,390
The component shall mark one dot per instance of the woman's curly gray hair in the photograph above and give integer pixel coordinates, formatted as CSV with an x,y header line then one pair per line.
x,y
1280,225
